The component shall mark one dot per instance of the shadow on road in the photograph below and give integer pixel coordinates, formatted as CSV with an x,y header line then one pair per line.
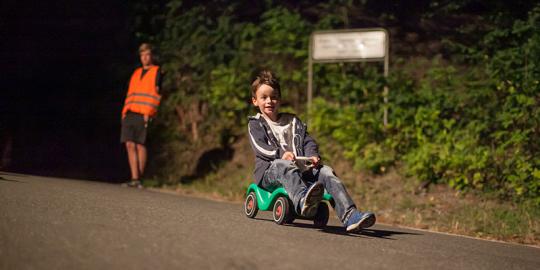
x,y
374,233
13,174
9,180
385,233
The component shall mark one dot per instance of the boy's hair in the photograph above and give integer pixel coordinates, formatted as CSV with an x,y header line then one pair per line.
x,y
265,77
145,47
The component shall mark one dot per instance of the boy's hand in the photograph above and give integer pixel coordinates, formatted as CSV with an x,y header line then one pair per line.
x,y
315,161
288,156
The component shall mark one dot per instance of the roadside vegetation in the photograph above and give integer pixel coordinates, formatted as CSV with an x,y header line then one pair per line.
x,y
460,153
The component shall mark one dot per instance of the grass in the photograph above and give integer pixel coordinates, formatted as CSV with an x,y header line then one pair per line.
x,y
395,199
442,209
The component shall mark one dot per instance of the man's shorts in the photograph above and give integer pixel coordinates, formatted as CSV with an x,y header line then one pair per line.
x,y
133,128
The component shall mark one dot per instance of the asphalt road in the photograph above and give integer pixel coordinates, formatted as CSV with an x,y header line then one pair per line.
x,y
48,223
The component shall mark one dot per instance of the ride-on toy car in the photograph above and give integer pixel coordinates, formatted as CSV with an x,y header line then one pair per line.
x,y
281,206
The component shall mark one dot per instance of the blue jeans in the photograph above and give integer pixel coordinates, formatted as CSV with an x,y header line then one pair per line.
x,y
284,173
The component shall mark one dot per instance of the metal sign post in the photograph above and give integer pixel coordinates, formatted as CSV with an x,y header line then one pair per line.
x,y
354,45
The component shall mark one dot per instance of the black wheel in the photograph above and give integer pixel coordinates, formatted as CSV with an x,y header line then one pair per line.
x,y
332,203
250,205
321,218
290,219
281,211
291,216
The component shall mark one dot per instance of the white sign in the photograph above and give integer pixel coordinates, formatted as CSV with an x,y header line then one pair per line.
x,y
349,45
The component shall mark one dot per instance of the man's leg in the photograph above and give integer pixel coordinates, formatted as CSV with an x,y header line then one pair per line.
x,y
284,173
132,159
141,157
333,185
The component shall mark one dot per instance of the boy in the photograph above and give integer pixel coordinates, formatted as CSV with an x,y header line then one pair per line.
x,y
277,139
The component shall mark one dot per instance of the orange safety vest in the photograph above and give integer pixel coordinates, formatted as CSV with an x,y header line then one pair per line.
x,y
142,96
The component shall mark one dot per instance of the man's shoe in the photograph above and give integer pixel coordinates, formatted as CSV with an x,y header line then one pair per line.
x,y
310,202
133,183
359,220
136,184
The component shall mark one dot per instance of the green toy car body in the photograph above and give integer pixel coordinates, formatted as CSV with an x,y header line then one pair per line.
x,y
281,206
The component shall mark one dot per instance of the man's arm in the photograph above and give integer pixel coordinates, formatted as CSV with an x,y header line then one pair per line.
x,y
159,79
257,139
124,109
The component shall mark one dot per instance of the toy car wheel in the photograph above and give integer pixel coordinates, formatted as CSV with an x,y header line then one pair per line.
x,y
292,215
332,203
250,205
290,219
281,210
321,218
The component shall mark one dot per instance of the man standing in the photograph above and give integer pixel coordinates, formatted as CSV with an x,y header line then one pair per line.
x,y
141,104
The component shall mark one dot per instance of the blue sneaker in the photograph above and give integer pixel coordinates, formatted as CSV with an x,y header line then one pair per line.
x,y
310,202
358,220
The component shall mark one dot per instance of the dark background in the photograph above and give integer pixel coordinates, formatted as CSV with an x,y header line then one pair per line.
x,y
65,67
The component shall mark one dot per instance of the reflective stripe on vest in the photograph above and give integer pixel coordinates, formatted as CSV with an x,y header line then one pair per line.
x,y
145,95
142,96
143,103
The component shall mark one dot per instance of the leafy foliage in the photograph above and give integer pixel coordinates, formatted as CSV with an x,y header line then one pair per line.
x,y
465,114
472,128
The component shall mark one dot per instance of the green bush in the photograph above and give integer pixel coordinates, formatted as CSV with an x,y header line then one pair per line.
x,y
472,128
469,118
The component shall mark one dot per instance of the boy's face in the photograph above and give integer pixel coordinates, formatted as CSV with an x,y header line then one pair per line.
x,y
146,58
267,99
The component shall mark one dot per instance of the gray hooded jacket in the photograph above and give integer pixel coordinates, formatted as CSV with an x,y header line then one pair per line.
x,y
267,148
